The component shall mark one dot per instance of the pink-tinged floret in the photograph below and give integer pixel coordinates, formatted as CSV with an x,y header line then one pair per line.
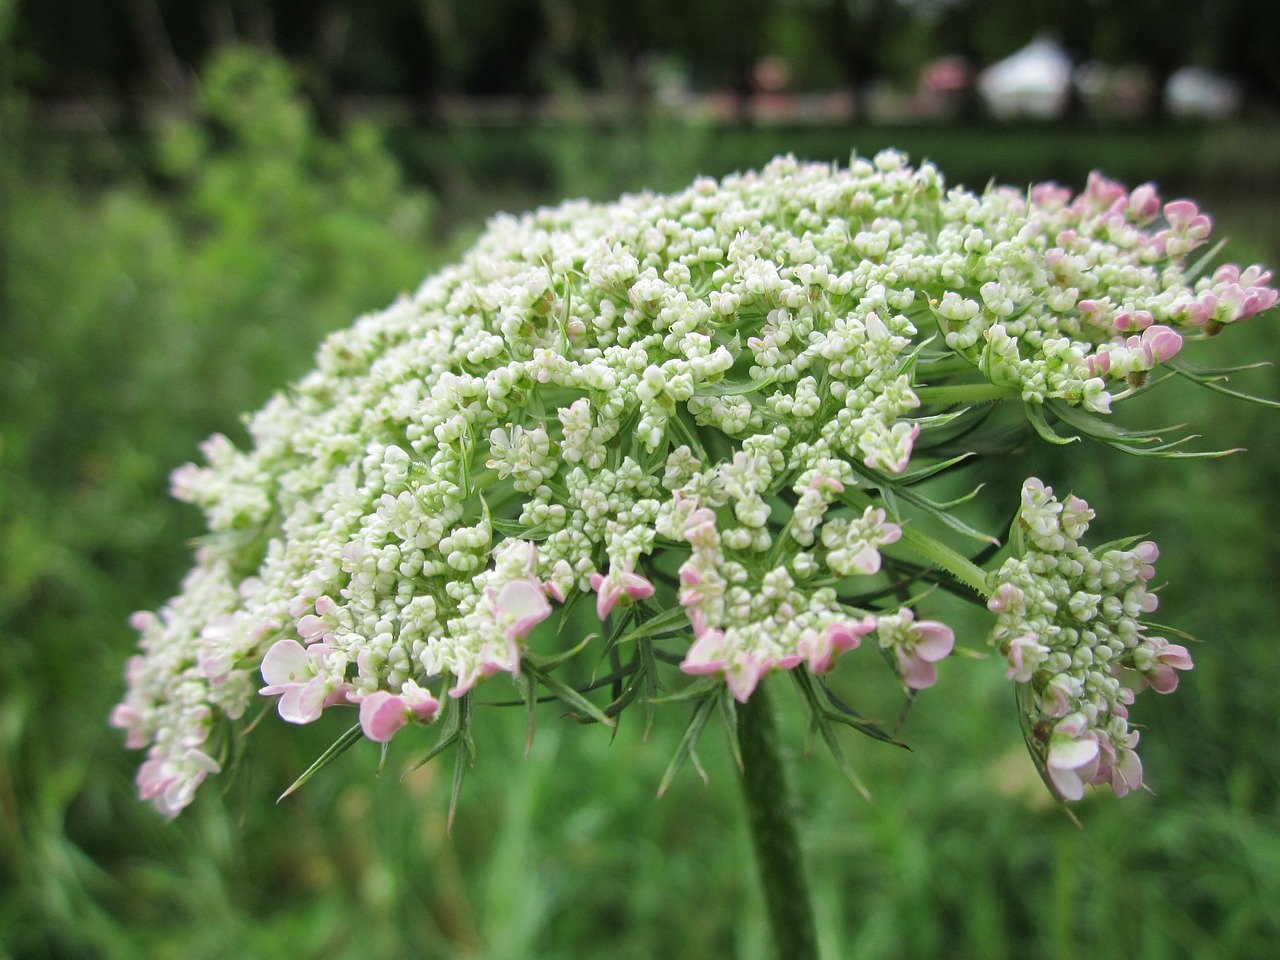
x,y
519,607
917,646
625,586
298,675
1073,757
1159,662
1143,203
382,713
822,647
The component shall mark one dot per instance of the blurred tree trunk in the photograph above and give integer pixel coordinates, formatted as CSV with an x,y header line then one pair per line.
x,y
164,67
9,121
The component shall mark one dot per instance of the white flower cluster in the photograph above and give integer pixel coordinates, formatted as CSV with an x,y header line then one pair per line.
x,y
731,374
1069,623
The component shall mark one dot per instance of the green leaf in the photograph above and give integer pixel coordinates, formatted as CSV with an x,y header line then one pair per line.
x,y
843,713
729,716
1196,269
1100,429
521,531
336,749
944,557
693,691
1210,382
549,661
672,620
568,695
461,760
909,477
698,723
728,388
649,674
1195,371
940,512
454,726
1035,416
820,720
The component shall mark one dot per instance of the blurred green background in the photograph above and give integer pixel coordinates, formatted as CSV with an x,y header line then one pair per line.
x,y
182,218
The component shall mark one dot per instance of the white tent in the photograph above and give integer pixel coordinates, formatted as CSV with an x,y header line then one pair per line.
x,y
1034,82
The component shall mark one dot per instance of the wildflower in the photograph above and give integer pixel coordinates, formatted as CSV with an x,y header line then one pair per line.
x,y
625,585
733,389
383,713
917,646
302,678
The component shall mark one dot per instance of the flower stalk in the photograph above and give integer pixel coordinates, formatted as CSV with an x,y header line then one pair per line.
x,y
771,818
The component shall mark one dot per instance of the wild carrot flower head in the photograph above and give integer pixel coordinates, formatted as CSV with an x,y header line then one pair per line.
x,y
714,416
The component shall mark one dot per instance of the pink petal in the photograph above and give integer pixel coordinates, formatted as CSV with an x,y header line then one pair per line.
x,y
1067,783
636,587
303,702
521,605
917,674
1126,774
606,595
381,715
311,627
707,655
933,640
286,663
743,675
1067,754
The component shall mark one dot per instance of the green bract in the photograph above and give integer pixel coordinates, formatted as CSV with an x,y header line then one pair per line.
x,y
709,412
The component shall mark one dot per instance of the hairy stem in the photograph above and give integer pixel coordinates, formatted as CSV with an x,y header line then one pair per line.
x,y
770,813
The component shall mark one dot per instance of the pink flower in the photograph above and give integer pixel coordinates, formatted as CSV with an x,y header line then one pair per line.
x,y
1073,757
297,674
821,648
1144,203
1050,195
617,586
1147,553
822,483
1185,219
1102,193
316,626
1006,597
518,607
1022,666
1160,343
1127,320
1165,660
1121,765
896,453
383,713
917,646
708,654
741,669
171,782
744,673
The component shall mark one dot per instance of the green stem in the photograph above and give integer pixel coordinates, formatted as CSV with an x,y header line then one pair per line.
x,y
966,393
770,814
943,557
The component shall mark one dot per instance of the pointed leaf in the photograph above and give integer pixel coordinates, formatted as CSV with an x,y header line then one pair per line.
x,y
1211,383
671,620
569,696
1035,417
336,749
697,723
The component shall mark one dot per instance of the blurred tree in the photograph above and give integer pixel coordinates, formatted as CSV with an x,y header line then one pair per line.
x,y
417,47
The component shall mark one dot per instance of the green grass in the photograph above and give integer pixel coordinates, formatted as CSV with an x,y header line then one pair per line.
x,y
152,303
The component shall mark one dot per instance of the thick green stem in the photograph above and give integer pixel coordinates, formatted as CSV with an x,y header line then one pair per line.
x,y
770,813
